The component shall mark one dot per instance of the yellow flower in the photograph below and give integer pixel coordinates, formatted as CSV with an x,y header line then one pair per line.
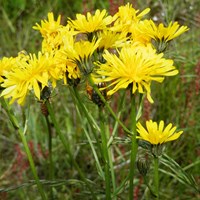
x,y
49,27
136,34
80,52
161,32
52,44
27,75
91,23
111,39
137,66
156,133
128,16
53,32
71,69
6,65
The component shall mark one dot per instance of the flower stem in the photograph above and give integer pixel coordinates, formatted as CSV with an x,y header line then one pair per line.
x,y
17,127
115,127
51,164
105,154
156,177
67,147
134,146
83,109
94,127
89,78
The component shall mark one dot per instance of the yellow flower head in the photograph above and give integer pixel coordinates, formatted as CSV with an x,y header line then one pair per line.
x,y
161,32
137,35
71,69
27,75
6,65
80,52
137,66
112,39
127,16
91,23
156,133
50,27
52,44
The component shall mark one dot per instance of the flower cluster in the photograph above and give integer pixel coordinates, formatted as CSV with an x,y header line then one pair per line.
x,y
119,52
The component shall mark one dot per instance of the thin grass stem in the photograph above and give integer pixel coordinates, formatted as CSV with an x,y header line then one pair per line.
x,y
22,132
105,153
51,164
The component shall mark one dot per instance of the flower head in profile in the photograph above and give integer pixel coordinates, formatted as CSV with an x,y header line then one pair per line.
x,y
91,23
112,39
156,133
49,27
162,34
128,16
72,71
127,13
80,52
52,32
6,65
28,75
136,66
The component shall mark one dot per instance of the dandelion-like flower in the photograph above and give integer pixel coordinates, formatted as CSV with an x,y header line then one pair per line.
x,y
135,66
27,75
80,53
156,133
91,23
161,34
128,16
71,69
5,66
49,27
112,39
52,32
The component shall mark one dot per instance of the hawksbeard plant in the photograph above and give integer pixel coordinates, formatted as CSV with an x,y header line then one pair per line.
x,y
108,56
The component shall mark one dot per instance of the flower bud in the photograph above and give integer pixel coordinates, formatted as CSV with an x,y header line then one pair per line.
x,y
143,166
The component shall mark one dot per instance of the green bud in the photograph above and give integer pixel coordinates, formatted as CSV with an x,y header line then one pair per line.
x,y
143,166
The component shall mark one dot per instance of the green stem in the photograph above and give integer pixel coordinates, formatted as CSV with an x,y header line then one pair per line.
x,y
156,177
17,127
89,78
134,146
112,171
51,164
67,147
95,128
105,154
82,110
149,187
120,106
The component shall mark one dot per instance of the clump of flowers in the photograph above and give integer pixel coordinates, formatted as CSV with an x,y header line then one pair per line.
x,y
117,50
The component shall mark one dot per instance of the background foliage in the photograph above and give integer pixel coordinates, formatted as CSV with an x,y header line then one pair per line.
x,y
177,101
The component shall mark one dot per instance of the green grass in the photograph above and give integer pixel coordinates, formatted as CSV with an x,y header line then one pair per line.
x,y
176,100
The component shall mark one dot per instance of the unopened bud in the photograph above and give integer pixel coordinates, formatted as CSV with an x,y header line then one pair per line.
x,y
143,166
